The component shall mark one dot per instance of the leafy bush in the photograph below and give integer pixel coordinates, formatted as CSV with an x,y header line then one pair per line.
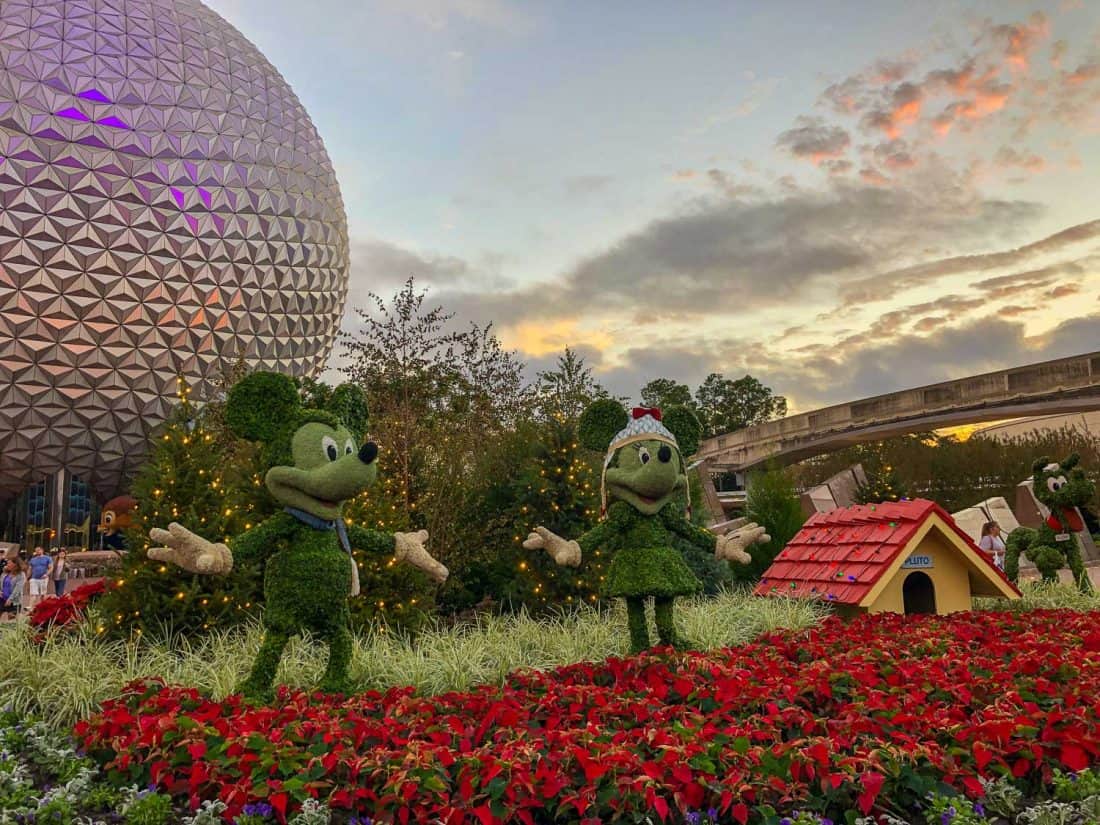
x,y
773,503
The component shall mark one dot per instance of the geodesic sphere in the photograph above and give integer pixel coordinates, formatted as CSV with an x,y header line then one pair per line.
x,y
166,208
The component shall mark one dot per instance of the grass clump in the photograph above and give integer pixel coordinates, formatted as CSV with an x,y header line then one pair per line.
x,y
66,676
1040,595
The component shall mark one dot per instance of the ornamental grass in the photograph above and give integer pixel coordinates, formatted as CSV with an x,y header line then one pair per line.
x,y
64,677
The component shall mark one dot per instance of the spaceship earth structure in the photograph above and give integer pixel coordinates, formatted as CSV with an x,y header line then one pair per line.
x,y
166,208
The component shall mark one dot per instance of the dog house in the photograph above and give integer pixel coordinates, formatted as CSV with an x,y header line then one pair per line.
x,y
900,557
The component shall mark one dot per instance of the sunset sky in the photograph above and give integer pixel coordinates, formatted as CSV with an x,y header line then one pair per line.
x,y
839,198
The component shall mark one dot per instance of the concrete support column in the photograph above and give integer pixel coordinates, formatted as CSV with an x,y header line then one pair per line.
x,y
57,514
715,513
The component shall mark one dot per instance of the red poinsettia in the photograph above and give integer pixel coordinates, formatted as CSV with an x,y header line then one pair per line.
x,y
843,716
67,609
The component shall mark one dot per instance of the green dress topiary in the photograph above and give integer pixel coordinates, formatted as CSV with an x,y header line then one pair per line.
x,y
644,479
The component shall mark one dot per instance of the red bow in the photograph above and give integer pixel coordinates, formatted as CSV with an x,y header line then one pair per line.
x,y
642,412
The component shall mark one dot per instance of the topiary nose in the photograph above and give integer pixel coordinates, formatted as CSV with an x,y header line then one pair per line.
x,y
665,453
368,452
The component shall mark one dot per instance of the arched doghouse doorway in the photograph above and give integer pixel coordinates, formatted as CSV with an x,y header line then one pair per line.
x,y
918,593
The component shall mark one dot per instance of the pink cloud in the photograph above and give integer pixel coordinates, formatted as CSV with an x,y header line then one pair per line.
x,y
1016,41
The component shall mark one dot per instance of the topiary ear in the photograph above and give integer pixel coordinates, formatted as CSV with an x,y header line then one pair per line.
x,y
1071,461
349,404
600,422
1039,465
261,405
683,424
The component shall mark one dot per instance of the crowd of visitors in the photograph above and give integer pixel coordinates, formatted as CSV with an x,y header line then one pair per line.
x,y
26,582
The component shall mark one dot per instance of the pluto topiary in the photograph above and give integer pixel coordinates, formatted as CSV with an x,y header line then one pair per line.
x,y
1063,488
316,462
642,489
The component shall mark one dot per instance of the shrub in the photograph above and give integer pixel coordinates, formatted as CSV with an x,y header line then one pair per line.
x,y
772,503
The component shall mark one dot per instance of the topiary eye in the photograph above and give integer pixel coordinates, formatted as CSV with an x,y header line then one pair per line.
x,y
1056,484
349,447
643,455
328,447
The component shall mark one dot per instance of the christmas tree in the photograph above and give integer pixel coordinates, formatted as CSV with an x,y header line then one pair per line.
x,y
556,486
201,476
883,484
395,594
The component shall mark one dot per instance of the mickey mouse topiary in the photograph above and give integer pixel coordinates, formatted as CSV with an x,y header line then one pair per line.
x,y
315,464
1063,488
645,477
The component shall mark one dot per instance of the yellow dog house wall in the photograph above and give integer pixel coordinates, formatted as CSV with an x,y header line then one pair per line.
x,y
901,557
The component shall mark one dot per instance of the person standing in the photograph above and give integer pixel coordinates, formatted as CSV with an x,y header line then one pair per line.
x,y
39,565
11,589
59,574
993,544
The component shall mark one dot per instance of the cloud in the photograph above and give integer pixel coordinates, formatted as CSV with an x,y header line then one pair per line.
x,y
812,139
1064,291
587,184
439,14
885,283
739,255
1008,157
902,108
823,375
986,344
1017,41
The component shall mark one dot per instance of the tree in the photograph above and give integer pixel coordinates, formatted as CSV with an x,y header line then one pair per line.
x,y
664,393
773,503
883,484
210,481
554,484
438,398
428,386
562,393
725,405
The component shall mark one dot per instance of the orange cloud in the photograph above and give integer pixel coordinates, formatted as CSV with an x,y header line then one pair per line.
x,y
541,338
1017,41
1083,74
1064,291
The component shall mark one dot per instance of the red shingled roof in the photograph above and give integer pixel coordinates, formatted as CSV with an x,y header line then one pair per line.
x,y
840,555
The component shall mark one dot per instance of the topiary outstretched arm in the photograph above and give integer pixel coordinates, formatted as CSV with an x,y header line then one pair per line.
x,y
370,541
406,547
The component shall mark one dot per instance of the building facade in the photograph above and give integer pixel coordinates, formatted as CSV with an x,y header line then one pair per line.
x,y
167,208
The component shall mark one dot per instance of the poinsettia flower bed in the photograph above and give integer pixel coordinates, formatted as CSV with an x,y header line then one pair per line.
x,y
869,714
66,610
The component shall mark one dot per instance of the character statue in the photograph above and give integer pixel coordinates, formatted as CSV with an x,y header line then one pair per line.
x,y
643,487
316,463
116,517
1063,488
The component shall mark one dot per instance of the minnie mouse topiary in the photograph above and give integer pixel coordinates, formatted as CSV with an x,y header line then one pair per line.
x,y
644,479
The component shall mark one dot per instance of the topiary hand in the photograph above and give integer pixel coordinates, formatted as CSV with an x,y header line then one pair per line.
x,y
409,547
567,553
744,533
193,553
